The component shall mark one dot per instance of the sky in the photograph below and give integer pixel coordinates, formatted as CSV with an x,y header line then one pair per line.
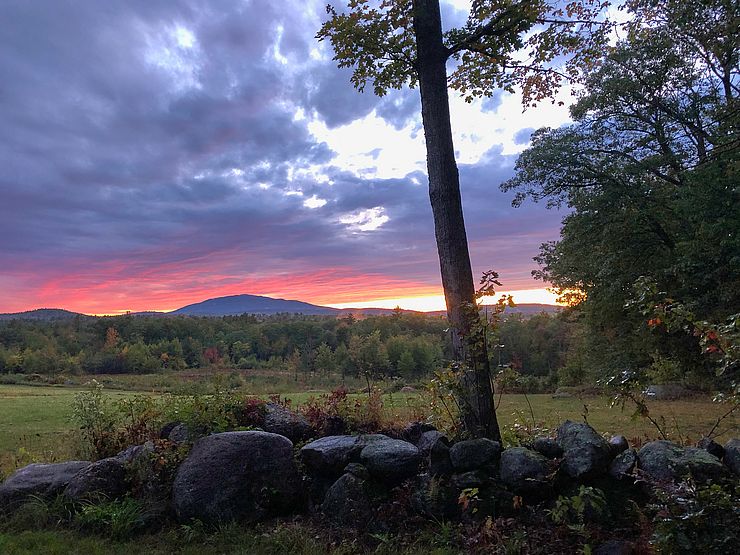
x,y
157,153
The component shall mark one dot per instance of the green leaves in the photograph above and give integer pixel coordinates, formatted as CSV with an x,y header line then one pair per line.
x,y
377,42
503,45
649,171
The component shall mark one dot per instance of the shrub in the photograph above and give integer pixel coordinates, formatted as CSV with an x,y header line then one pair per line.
x,y
696,519
107,426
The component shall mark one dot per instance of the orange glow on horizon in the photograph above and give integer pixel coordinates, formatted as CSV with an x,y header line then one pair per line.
x,y
428,303
113,289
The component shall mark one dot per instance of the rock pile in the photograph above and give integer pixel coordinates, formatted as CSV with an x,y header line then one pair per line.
x,y
252,475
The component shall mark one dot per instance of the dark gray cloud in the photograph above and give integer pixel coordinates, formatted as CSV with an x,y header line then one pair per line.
x,y
169,140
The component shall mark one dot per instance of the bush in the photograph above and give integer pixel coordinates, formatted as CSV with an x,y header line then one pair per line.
x,y
692,519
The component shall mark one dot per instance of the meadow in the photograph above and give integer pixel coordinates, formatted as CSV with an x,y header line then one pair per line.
x,y
36,424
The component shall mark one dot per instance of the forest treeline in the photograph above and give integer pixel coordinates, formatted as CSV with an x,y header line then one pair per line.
x,y
410,346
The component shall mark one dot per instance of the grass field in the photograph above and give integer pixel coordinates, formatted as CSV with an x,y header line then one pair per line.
x,y
35,422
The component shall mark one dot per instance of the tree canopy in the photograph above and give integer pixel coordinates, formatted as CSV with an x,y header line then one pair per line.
x,y
502,45
648,170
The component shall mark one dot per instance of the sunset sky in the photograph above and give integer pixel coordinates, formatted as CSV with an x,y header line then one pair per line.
x,y
156,153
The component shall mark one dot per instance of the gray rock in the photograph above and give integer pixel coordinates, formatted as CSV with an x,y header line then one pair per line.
x,y
428,440
366,439
237,475
523,470
390,460
135,453
547,447
711,447
329,455
732,455
435,452
347,503
281,420
474,453
666,461
585,452
623,465
104,479
164,432
42,480
618,444
358,470
413,431
182,433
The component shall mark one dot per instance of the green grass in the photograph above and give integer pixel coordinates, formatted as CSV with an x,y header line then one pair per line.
x,y
269,539
35,421
35,424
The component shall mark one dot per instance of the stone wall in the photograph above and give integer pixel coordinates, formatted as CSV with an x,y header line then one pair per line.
x,y
253,475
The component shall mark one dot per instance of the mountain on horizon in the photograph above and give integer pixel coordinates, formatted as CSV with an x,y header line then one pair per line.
x,y
43,314
234,305
252,304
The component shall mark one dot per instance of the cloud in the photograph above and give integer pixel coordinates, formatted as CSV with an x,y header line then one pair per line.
x,y
492,103
522,136
156,152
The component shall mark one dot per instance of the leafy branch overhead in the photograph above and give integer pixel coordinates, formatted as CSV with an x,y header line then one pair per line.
x,y
502,45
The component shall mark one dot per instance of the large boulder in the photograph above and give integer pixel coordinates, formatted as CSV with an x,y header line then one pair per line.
x,y
523,470
40,480
665,461
104,479
237,475
474,453
390,460
281,420
585,453
732,455
327,456
347,503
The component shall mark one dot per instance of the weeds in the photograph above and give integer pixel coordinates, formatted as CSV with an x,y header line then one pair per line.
x,y
696,519
118,519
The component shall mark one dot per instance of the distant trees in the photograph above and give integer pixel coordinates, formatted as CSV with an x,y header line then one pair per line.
x,y
406,345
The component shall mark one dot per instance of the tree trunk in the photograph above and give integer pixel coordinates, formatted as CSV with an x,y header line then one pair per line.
x,y
479,415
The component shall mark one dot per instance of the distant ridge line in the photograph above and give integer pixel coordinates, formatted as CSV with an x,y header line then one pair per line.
x,y
236,305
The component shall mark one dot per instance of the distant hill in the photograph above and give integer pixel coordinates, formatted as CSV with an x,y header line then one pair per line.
x,y
252,304
43,314
255,304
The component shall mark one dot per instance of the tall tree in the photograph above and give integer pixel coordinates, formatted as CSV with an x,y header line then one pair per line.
x,y
392,43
